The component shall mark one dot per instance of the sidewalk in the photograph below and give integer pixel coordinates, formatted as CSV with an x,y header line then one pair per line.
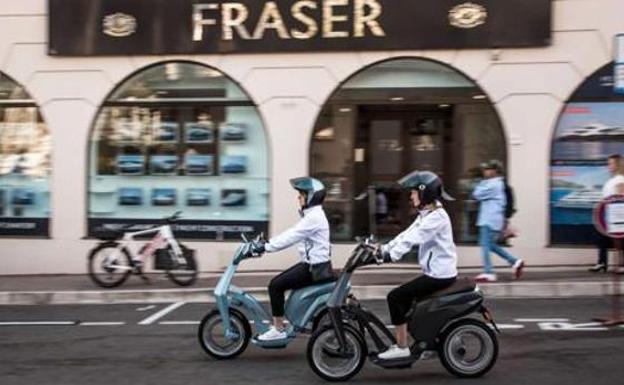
x,y
368,283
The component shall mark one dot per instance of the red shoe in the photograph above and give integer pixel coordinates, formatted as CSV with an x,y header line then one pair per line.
x,y
518,268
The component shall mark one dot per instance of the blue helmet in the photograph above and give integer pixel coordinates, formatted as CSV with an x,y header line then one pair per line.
x,y
313,189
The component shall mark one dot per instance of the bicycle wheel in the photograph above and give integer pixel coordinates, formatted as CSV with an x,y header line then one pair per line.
x,y
213,339
108,265
468,348
325,359
183,274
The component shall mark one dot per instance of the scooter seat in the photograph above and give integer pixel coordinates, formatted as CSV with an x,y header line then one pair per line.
x,y
461,285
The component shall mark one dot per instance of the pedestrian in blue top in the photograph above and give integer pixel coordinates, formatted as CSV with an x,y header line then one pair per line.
x,y
490,193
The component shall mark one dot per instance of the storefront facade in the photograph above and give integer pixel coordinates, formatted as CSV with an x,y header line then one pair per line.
x,y
95,135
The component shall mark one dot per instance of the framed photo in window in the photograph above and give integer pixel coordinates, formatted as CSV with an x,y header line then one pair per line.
x,y
199,132
165,132
163,197
195,164
130,164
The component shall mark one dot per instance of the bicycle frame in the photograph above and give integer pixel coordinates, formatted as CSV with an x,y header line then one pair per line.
x,y
163,236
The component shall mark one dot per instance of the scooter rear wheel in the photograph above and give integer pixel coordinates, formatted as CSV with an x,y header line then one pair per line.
x,y
468,348
324,357
213,339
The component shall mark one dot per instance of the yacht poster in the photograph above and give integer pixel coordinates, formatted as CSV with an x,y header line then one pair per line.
x,y
589,132
575,191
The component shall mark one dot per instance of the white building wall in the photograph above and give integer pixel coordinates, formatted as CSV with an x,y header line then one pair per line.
x,y
527,86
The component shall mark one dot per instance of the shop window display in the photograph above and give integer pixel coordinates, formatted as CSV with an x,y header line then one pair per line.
x,y
392,118
589,129
179,132
25,163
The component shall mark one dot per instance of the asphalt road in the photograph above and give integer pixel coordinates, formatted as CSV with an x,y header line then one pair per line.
x,y
544,342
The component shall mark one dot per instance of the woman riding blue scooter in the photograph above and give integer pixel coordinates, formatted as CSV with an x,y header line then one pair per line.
x,y
312,235
437,256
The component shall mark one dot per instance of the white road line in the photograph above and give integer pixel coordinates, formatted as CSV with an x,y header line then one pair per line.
x,y
37,323
144,308
101,323
510,326
541,320
179,323
565,326
156,316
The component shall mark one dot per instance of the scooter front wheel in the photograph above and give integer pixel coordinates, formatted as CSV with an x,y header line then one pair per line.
x,y
468,348
326,359
214,339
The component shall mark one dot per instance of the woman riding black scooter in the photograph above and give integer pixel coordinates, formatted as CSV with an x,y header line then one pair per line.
x,y
434,309
433,233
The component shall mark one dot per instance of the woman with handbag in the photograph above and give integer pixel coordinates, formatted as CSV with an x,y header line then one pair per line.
x,y
312,235
490,193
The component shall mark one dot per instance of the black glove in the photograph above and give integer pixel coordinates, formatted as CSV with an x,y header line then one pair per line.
x,y
257,248
382,257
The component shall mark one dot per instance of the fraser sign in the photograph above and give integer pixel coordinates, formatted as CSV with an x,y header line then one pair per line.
x,y
336,19
165,27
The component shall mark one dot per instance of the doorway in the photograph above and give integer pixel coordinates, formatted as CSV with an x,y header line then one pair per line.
x,y
396,140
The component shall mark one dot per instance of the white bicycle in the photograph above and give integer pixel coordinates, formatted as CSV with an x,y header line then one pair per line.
x,y
114,259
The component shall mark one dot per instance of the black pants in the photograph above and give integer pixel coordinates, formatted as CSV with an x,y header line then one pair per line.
x,y
296,277
605,243
401,298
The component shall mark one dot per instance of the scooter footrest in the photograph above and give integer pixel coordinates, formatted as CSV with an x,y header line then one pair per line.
x,y
398,363
276,344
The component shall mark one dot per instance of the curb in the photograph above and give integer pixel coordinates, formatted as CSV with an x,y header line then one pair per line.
x,y
374,292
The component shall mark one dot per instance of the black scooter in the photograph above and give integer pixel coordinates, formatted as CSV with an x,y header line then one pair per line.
x,y
467,347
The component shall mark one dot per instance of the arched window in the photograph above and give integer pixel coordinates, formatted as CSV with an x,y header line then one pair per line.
x,y
179,136
25,163
589,129
389,119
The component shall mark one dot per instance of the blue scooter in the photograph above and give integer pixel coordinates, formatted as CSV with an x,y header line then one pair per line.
x,y
225,332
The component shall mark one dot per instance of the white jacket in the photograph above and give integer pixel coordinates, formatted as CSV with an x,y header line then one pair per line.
x,y
312,234
433,233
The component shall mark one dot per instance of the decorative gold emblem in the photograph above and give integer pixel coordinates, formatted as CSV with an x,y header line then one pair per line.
x,y
467,15
119,25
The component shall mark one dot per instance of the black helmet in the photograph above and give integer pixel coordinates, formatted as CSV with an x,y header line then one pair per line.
x,y
313,189
428,185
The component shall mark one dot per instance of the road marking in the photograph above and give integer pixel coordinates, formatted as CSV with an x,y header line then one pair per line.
x,y
542,320
566,326
179,323
509,326
101,323
38,323
156,316
144,308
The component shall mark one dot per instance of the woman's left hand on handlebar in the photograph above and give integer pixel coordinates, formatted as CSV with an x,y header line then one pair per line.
x,y
257,248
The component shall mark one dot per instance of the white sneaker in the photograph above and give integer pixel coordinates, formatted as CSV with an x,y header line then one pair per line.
x,y
394,352
486,277
272,334
517,268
